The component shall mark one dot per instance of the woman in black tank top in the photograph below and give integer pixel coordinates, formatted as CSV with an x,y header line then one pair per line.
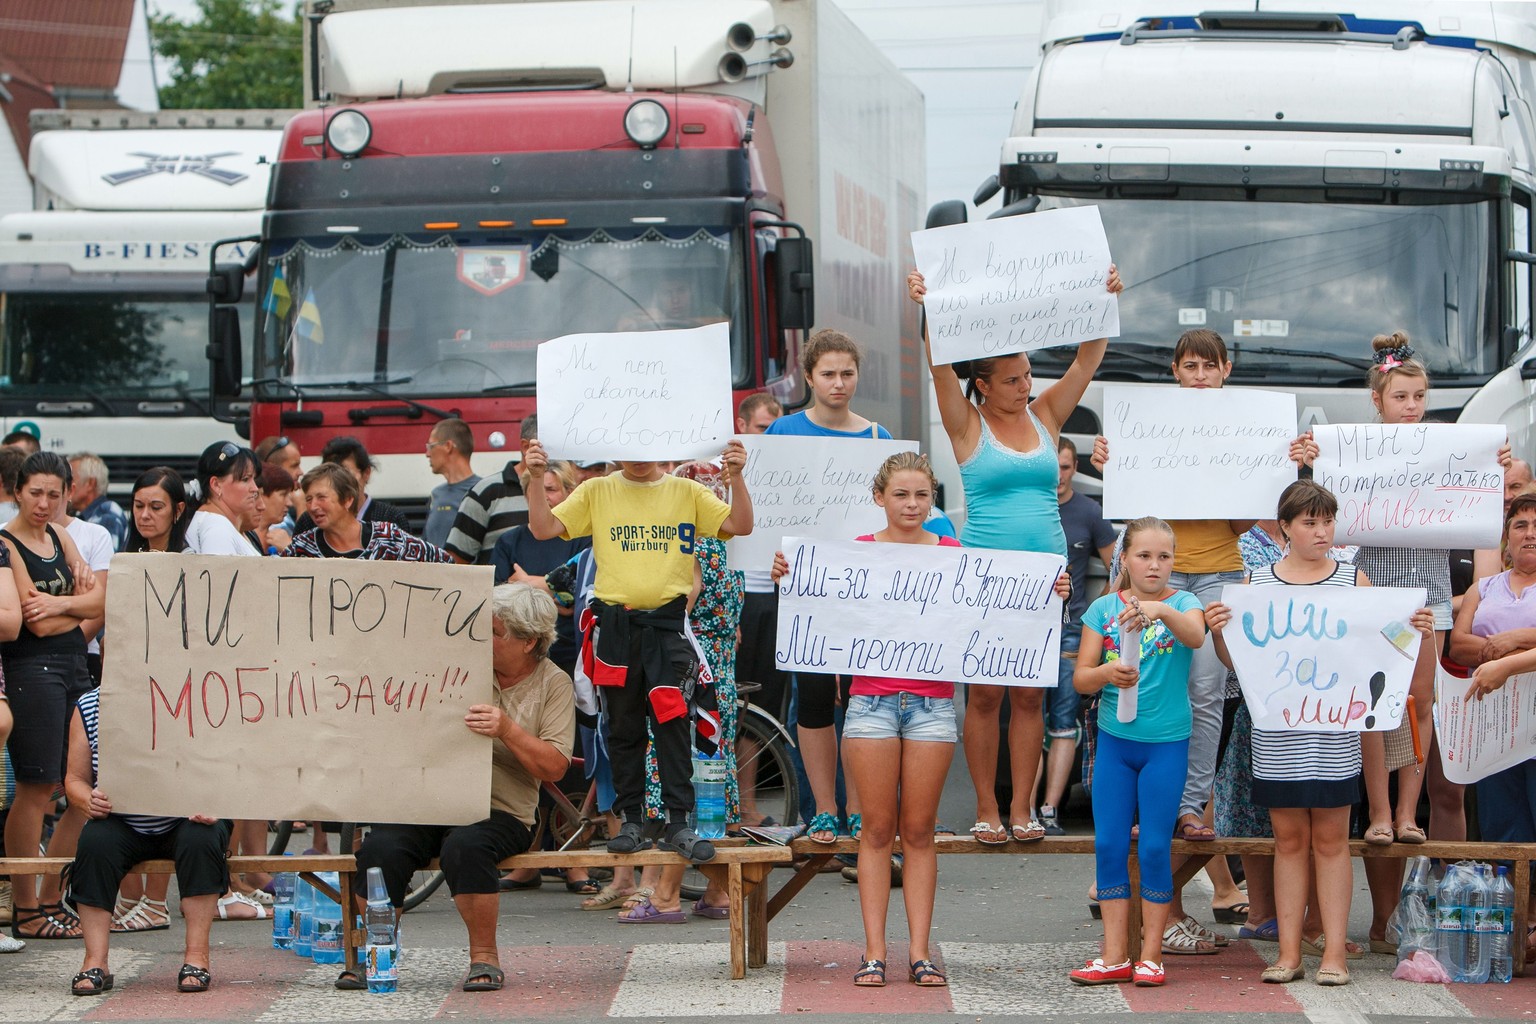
x,y
46,673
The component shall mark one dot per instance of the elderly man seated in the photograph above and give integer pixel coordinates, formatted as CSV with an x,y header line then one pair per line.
x,y
532,720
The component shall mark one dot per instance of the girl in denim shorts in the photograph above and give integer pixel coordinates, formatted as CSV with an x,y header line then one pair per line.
x,y
898,741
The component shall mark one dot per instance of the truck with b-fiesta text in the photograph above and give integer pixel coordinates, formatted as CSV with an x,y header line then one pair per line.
x,y
477,178
103,304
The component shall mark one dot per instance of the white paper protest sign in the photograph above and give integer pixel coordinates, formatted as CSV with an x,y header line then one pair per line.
x,y
1016,284
809,487
640,395
1424,485
1479,738
1323,659
917,611
1197,453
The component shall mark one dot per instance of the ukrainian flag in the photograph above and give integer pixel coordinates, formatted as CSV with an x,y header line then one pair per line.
x,y
308,326
278,300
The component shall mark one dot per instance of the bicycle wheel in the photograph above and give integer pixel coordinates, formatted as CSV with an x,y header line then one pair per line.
x,y
278,844
764,749
417,891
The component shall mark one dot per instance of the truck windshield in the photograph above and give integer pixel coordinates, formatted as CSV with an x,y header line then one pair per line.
x,y
104,347
1309,283
431,315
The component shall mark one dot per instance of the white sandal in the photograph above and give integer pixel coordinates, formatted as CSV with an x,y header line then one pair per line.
x,y
146,915
240,899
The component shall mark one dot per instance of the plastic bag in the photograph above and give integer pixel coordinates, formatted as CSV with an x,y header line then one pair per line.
x,y
1413,926
1421,966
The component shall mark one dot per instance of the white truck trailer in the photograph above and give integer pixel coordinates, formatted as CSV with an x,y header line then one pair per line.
x,y
103,308
1294,179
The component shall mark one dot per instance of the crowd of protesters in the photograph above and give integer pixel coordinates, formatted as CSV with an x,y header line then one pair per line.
x,y
664,634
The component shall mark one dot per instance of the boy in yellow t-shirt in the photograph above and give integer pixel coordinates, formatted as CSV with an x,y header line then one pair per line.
x,y
643,522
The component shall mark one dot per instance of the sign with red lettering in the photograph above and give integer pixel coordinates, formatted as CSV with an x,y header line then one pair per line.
x,y
282,688
1415,485
1323,659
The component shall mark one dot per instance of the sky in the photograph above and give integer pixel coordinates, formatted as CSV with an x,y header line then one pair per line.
x,y
969,57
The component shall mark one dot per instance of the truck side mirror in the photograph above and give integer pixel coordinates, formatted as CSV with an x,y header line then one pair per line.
x,y
224,351
226,283
943,214
794,279
986,190
1019,207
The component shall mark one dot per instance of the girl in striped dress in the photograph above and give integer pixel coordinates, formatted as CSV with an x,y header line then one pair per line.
x,y
1309,780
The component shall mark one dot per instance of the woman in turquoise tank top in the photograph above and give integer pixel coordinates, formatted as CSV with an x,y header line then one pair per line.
x,y
1005,443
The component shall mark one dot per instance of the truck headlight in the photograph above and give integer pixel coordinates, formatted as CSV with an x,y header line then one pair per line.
x,y
646,123
348,132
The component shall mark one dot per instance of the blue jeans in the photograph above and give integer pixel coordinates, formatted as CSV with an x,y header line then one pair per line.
x,y
1207,694
904,716
1063,703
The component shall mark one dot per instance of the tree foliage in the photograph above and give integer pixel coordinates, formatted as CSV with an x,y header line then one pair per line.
x,y
238,53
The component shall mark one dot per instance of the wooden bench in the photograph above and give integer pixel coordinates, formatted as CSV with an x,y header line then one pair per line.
x,y
1198,853
738,867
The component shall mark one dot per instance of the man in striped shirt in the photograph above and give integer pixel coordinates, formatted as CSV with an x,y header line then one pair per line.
x,y
492,507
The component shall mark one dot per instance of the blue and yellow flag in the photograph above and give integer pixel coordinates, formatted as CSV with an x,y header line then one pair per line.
x,y
278,300
308,326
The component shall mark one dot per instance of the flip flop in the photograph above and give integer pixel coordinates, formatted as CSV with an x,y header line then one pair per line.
x,y
988,834
645,912
1267,931
702,909
1195,832
1315,947
96,982
351,981
584,886
1237,913
193,979
493,975
1031,833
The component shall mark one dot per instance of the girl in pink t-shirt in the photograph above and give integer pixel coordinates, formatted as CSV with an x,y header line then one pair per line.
x,y
898,740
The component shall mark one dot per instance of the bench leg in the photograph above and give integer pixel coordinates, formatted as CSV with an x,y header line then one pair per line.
x,y
799,880
1522,904
352,936
1133,919
757,916
735,890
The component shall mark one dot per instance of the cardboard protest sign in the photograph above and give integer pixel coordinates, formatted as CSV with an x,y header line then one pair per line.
x,y
809,487
1424,485
640,395
1479,738
913,611
1323,659
296,688
1016,284
1191,453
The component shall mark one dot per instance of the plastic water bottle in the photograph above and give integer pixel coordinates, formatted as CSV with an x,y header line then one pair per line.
x,y
1451,940
1417,882
330,937
383,943
1130,656
282,910
1501,966
709,775
1474,916
304,919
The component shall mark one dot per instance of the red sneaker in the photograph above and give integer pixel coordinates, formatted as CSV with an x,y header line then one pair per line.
x,y
1096,972
1149,974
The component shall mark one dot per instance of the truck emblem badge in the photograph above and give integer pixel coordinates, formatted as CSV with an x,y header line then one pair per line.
x,y
178,163
489,271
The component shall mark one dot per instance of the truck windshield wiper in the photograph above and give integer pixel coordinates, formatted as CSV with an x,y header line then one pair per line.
x,y
496,389
413,409
1264,350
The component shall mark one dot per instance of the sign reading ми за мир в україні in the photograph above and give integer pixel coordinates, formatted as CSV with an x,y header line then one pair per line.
x,y
275,688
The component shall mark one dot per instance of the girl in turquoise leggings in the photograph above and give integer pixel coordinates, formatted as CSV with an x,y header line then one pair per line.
x,y
1136,648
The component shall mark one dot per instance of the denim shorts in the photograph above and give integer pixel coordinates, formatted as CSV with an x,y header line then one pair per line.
x,y
899,716
1064,702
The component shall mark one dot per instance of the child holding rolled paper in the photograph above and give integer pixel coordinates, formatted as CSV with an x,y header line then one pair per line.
x,y
1137,646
